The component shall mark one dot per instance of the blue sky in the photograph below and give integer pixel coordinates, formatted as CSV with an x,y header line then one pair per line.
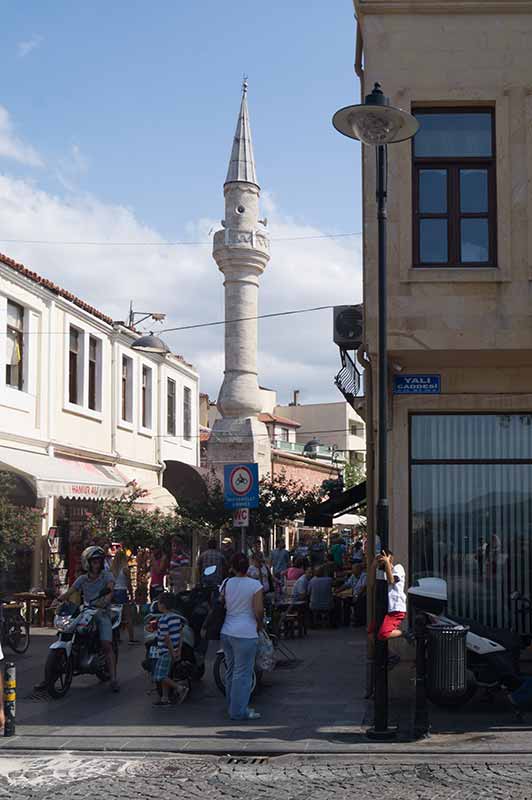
x,y
130,107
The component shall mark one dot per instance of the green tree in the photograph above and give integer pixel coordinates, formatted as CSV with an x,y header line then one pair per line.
x,y
18,524
281,499
353,474
129,523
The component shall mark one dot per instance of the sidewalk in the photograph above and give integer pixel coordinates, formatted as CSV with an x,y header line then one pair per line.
x,y
316,707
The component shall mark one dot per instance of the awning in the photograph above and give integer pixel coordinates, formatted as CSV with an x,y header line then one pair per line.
x,y
155,496
63,477
322,515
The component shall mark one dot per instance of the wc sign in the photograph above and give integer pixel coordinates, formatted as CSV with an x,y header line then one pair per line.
x,y
417,384
241,518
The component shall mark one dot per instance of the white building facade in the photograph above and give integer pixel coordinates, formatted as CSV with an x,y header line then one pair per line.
x,y
81,413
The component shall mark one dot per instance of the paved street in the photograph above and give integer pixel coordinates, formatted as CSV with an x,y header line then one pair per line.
x,y
315,706
286,778
309,706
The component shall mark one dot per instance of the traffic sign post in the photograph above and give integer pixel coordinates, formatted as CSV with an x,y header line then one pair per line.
x,y
241,486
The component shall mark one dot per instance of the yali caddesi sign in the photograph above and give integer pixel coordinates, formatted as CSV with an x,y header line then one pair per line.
x,y
417,384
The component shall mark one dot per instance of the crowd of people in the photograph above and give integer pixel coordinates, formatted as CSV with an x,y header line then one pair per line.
x,y
325,583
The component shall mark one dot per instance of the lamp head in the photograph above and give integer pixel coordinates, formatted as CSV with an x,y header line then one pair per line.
x,y
375,121
151,344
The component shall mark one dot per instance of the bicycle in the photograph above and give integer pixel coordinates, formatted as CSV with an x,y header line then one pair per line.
x,y
15,631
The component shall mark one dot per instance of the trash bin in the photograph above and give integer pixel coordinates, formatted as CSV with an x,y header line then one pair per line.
x,y
446,663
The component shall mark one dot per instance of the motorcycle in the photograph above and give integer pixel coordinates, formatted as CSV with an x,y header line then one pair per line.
x,y
493,654
192,607
77,650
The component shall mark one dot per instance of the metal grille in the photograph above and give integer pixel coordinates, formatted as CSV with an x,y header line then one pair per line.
x,y
348,379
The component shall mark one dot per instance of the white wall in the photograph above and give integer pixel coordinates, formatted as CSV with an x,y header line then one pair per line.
x,y
328,422
41,414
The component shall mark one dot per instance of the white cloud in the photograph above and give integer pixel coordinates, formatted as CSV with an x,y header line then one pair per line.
x,y
25,47
72,167
295,352
13,148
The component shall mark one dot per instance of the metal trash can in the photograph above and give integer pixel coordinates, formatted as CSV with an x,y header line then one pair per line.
x,y
446,661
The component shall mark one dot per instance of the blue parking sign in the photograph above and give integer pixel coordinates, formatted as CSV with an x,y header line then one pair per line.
x,y
241,485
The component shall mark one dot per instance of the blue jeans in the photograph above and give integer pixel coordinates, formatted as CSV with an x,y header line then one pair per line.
x,y
240,661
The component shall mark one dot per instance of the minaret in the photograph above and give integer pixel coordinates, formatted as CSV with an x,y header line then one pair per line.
x,y
241,250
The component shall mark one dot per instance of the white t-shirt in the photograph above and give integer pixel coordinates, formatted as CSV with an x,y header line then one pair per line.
x,y
240,619
396,591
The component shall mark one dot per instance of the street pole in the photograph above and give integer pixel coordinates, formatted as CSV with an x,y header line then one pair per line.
x,y
377,123
381,729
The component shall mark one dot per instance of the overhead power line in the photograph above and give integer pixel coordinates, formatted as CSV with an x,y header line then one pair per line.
x,y
62,242
209,324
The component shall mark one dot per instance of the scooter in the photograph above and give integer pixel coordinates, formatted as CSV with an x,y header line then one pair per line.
x,y
77,650
192,608
492,654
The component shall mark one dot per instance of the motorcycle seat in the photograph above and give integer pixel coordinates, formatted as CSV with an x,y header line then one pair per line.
x,y
508,639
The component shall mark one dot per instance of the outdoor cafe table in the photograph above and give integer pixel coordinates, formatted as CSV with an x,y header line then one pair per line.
x,y
30,598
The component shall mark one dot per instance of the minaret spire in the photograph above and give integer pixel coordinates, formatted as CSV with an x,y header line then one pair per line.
x,y
242,162
242,250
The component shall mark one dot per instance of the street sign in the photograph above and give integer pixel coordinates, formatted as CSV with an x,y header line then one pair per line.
x,y
241,486
416,384
241,518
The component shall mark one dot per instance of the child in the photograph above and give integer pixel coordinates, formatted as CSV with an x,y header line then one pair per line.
x,y
395,577
169,652
391,625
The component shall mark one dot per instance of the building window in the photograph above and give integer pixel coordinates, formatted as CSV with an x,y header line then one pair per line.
x,y
187,414
357,429
15,346
95,380
127,389
171,407
75,366
454,189
471,511
284,434
147,393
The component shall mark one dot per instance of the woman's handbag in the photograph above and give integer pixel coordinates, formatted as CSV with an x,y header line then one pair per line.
x,y
214,623
265,660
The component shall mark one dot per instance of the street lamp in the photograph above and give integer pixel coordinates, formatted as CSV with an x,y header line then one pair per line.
x,y
149,343
376,122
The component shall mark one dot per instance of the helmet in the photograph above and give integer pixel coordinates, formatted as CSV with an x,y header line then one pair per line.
x,y
89,553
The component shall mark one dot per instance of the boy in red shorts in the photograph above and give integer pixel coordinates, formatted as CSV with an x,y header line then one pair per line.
x,y
391,624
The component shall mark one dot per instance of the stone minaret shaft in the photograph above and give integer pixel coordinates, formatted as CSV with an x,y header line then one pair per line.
x,y
241,251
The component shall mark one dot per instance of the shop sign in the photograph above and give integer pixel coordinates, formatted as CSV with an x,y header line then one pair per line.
x,y
417,384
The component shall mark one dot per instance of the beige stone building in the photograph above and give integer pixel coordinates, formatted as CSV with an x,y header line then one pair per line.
x,y
460,289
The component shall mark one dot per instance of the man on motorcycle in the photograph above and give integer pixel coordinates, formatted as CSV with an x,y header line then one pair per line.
x,y
93,586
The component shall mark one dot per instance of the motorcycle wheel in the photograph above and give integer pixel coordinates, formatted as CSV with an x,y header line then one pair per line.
x,y
219,675
188,655
58,672
18,635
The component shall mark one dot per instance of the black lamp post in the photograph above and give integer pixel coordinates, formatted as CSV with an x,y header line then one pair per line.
x,y
376,122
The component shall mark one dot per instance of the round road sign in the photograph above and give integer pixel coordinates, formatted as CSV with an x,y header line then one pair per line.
x,y
241,480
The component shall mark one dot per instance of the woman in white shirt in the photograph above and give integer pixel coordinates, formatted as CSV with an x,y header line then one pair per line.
x,y
244,603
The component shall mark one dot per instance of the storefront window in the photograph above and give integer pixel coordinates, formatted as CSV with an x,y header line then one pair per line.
x,y
471,510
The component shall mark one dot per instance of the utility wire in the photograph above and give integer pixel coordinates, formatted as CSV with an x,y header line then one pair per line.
x,y
171,244
203,324
249,436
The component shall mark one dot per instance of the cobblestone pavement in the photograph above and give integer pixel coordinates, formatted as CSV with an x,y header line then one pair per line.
x,y
289,778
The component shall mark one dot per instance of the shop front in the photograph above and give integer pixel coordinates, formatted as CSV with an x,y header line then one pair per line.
x,y
66,492
471,510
